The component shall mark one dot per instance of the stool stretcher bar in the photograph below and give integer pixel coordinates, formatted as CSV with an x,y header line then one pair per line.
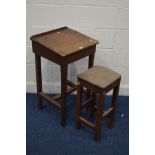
x,y
86,122
90,124
107,112
84,104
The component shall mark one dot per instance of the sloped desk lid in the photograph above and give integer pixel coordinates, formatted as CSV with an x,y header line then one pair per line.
x,y
64,41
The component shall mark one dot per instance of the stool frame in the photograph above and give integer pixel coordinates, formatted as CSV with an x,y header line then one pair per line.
x,y
100,105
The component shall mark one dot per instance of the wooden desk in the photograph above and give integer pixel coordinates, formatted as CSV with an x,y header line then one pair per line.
x,y
61,46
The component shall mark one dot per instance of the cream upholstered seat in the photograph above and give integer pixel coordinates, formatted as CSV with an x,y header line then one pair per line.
x,y
99,76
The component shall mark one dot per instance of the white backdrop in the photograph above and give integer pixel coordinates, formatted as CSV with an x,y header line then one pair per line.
x,y
106,21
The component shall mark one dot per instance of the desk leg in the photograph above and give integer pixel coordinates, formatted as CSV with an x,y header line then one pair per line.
x,y
64,69
38,79
91,60
90,64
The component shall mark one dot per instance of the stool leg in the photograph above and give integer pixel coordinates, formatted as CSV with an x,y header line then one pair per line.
x,y
78,105
92,104
38,80
63,94
114,100
99,117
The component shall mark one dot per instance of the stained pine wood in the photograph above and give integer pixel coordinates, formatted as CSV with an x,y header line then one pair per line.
x,y
110,81
64,41
61,46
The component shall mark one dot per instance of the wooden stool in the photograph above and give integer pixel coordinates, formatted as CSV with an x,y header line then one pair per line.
x,y
99,80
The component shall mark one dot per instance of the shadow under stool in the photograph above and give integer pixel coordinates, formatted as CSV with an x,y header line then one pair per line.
x,y
99,80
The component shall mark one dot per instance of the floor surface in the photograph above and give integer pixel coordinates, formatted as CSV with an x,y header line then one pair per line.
x,y
45,136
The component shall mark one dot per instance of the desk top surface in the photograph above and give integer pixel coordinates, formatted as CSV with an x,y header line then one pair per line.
x,y
64,41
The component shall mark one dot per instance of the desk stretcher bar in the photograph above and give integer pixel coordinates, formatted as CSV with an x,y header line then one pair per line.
x,y
53,100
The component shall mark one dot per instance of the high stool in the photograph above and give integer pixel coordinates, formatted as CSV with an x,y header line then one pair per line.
x,y
99,80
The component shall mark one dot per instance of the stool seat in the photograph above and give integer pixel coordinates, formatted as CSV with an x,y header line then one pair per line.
x,y
99,76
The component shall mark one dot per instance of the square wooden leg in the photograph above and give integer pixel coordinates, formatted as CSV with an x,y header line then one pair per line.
x,y
114,100
78,105
99,117
92,104
90,64
38,80
64,69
